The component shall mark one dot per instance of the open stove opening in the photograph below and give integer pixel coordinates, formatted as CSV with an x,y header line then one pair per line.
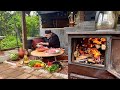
x,y
89,51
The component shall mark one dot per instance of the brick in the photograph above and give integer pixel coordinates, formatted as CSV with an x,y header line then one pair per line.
x,y
81,15
14,67
36,72
59,75
56,77
24,76
64,70
39,77
53,77
43,71
3,69
15,74
19,69
10,78
26,67
28,70
45,75
8,71
3,76
4,65
33,77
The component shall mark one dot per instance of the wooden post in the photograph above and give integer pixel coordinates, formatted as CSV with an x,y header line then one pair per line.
x,y
24,31
79,17
82,16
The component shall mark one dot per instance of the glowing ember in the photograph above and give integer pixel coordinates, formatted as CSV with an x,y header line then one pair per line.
x,y
103,39
90,45
90,38
96,40
95,53
81,52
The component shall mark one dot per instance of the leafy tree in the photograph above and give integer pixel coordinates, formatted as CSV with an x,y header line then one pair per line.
x,y
10,23
32,25
4,19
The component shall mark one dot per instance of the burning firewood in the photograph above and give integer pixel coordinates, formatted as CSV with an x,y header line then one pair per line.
x,y
97,46
90,50
81,57
103,47
103,39
91,61
91,45
95,52
81,52
90,38
76,54
96,40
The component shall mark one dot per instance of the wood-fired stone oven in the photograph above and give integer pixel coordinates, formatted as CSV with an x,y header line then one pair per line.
x,y
94,54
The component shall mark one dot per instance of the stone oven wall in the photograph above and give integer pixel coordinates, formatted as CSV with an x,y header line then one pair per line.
x,y
61,32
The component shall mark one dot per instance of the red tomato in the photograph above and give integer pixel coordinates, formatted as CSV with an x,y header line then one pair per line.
x,y
49,63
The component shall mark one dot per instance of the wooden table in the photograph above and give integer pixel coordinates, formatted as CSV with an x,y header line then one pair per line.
x,y
44,54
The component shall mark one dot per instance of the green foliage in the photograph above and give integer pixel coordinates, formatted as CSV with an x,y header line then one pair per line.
x,y
4,19
10,42
8,22
11,23
32,23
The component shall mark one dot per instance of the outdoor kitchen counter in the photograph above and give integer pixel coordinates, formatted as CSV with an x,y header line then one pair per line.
x,y
109,32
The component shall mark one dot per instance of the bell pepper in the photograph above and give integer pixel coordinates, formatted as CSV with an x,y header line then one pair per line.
x,y
49,63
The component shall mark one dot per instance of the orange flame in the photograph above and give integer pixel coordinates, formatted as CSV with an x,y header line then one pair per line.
x,y
103,39
81,52
95,53
91,45
90,38
96,40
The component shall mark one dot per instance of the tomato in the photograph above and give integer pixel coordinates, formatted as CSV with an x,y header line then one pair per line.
x,y
49,63
37,65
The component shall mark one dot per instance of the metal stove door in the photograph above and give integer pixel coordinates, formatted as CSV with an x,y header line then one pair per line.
x,y
114,62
